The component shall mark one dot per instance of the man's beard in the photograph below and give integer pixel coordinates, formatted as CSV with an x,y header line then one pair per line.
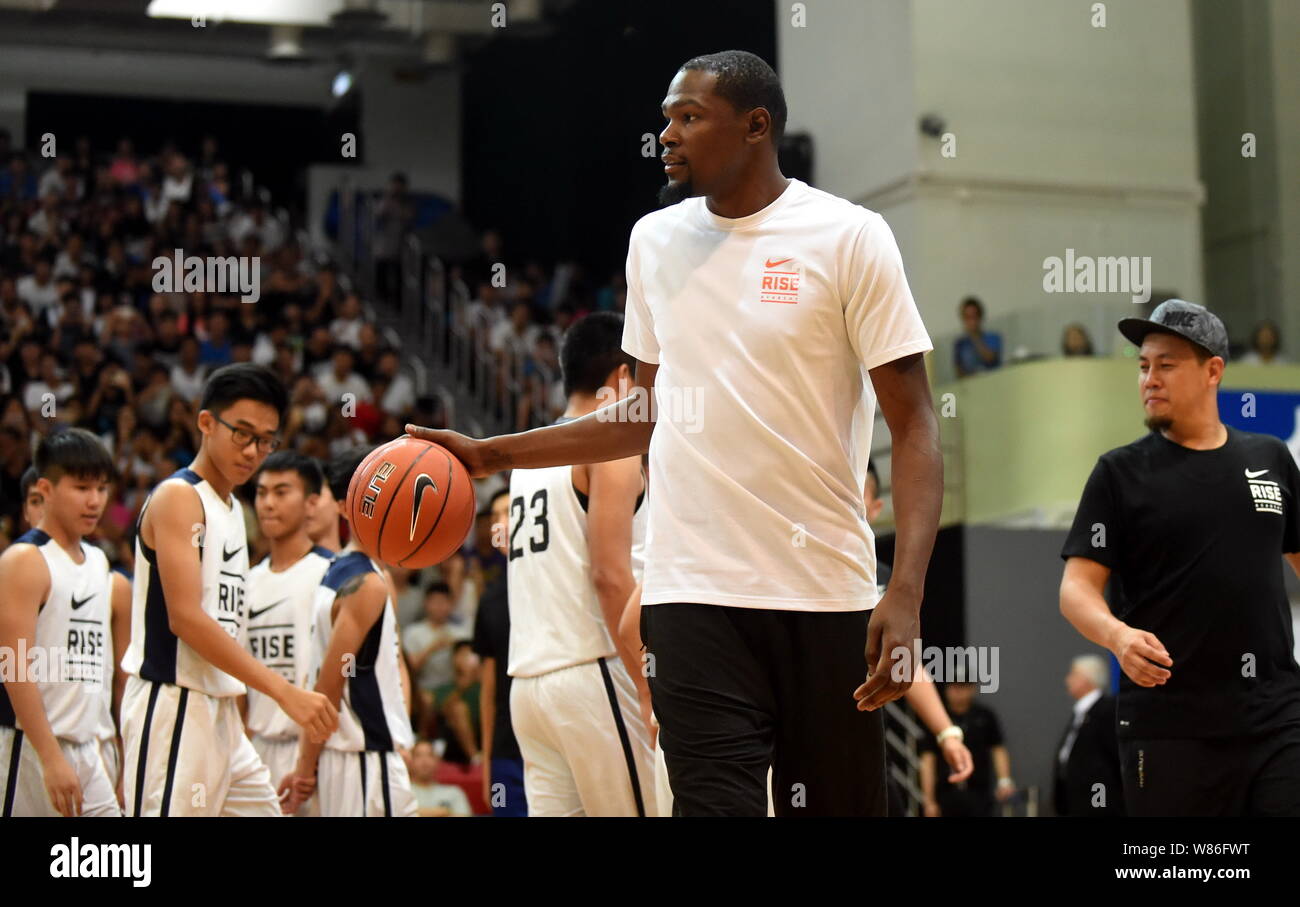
x,y
672,193
1159,423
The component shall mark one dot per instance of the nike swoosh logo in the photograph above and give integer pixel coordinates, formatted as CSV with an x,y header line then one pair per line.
x,y
227,555
773,264
77,604
422,482
255,614
1255,475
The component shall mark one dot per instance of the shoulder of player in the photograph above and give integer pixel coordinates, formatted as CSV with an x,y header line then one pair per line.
x,y
179,500
1255,442
23,569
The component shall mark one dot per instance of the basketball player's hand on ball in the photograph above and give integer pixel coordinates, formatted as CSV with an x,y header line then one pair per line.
x,y
62,786
1141,657
891,636
312,710
471,452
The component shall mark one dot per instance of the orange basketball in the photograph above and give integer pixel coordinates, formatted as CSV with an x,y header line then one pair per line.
x,y
410,503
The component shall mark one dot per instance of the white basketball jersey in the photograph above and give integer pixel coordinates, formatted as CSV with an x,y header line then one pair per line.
x,y
280,607
155,652
555,615
372,713
71,646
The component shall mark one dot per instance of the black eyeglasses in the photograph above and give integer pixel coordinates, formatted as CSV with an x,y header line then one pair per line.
x,y
242,437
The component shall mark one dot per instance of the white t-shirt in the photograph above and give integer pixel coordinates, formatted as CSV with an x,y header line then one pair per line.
x,y
764,328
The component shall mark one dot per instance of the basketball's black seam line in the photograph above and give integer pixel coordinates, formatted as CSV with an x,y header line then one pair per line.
x,y
436,520
379,538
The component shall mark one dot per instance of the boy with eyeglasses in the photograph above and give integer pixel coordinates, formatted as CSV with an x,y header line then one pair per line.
x,y
186,752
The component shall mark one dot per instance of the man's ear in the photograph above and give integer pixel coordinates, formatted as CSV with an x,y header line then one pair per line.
x,y
875,509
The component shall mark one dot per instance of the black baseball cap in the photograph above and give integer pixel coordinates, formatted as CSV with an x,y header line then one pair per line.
x,y
1184,319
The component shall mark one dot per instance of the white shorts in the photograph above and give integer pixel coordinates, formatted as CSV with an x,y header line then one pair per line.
x,y
280,758
363,783
111,758
586,750
22,778
186,755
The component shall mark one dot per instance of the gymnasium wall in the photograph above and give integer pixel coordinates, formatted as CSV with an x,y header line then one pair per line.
x,y
1063,136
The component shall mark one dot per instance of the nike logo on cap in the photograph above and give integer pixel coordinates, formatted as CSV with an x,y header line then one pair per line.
x,y
227,555
1256,474
422,482
255,614
77,604
773,264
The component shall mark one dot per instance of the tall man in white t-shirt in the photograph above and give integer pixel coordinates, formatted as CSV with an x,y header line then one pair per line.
x,y
757,307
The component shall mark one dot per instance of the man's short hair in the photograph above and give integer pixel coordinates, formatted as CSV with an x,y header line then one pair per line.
x,y
745,81
308,469
437,588
244,381
341,468
1095,668
972,301
73,452
592,348
30,475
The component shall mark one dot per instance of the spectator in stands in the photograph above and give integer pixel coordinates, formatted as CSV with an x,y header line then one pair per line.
x,y
428,643
338,378
1075,341
398,395
456,705
990,783
394,217
189,374
976,350
37,289
346,328
434,799
1265,343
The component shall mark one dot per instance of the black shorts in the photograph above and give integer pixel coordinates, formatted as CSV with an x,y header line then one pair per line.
x,y
1214,776
738,689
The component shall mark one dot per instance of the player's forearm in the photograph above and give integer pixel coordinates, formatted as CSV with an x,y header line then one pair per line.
x,y
924,700
1086,610
206,637
614,588
1001,762
29,710
927,772
488,708
917,468
613,432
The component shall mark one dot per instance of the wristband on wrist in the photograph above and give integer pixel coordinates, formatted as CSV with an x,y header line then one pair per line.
x,y
950,731
1006,782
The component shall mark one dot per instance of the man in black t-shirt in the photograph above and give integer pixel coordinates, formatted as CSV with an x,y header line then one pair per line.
x,y
1189,521
990,781
503,766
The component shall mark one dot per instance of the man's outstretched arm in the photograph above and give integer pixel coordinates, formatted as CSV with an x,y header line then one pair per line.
x,y
613,432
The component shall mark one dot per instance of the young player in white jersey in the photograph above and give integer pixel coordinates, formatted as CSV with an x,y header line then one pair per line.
x,y
55,617
119,627
323,519
186,752
357,664
579,701
281,593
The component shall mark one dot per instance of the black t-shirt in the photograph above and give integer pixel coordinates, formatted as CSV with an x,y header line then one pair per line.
x,y
980,732
1194,540
492,640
